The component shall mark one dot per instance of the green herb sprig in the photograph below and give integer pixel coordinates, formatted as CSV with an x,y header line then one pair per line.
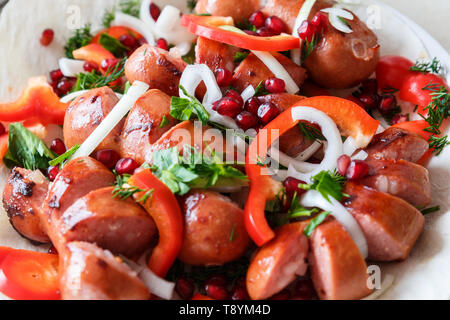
x,y
88,81
81,37
125,191
328,184
433,66
62,159
183,108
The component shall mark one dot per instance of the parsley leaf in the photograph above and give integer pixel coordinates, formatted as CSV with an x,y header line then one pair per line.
x,y
433,66
328,184
113,45
164,122
315,222
182,108
81,37
64,157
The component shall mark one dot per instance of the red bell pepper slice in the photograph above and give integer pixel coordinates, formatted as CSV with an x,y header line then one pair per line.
x,y
116,32
351,119
164,209
38,102
208,27
93,52
3,145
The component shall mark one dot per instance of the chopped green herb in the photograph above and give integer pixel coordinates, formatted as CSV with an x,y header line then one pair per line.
x,y
113,45
191,5
430,210
182,108
315,222
328,184
309,46
131,7
164,122
189,57
108,18
261,90
433,66
62,159
81,37
233,234
311,133
87,81
297,211
125,191
240,56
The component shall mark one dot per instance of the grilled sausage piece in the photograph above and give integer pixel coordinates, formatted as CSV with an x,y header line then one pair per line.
x,y
120,226
156,67
144,124
338,269
252,71
279,262
90,273
214,229
214,54
402,179
239,10
390,225
397,144
24,192
86,113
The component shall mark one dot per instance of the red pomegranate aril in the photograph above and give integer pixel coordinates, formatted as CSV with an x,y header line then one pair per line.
x,y
56,75
90,66
275,25
291,186
251,33
129,41
275,85
64,86
155,11
108,157
126,166
162,44
223,77
185,288
228,107
343,163
387,104
282,295
399,118
370,86
2,129
264,32
357,170
216,292
236,96
218,279
304,290
47,37
58,147
370,101
306,31
252,105
257,19
267,112
239,293
215,105
52,250
246,120
320,21
52,172
109,64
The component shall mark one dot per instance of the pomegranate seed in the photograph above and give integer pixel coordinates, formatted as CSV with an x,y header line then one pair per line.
x,y
343,163
2,129
283,295
291,187
216,292
47,37
228,107
126,166
257,19
304,290
223,77
320,21
185,288
155,11
306,31
58,147
215,105
56,75
252,105
267,112
387,104
109,64
218,279
251,33
162,44
239,293
370,86
52,250
129,41
52,172
236,96
355,100
90,66
399,118
64,86
264,32
369,101
275,85
246,120
275,25
108,157
358,169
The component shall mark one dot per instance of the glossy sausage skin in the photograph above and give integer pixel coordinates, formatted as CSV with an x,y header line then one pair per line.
x,y
402,179
391,225
91,273
86,113
397,144
214,54
338,269
120,226
279,262
156,67
143,125
214,229
252,71
239,10
24,192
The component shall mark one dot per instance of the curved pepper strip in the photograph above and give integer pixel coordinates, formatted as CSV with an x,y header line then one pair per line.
x,y
93,52
164,209
348,116
116,32
38,102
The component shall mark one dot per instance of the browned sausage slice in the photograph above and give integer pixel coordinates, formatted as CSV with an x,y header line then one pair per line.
x,y
214,229
120,226
24,192
86,113
252,71
391,225
156,67
338,269
90,273
279,262
214,54
397,144
239,10
402,179
143,126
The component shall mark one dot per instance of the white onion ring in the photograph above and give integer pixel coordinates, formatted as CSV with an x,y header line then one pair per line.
x,y
71,68
157,285
361,155
335,15
168,19
310,151
248,93
125,20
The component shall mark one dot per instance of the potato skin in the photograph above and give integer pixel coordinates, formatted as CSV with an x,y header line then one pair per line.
x,y
214,229
239,10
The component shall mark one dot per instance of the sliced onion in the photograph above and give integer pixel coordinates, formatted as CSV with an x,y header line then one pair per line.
x,y
335,15
377,116
144,13
310,151
125,104
350,146
125,20
303,15
184,48
248,93
168,19
361,155
71,68
314,199
380,129
72,96
158,286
